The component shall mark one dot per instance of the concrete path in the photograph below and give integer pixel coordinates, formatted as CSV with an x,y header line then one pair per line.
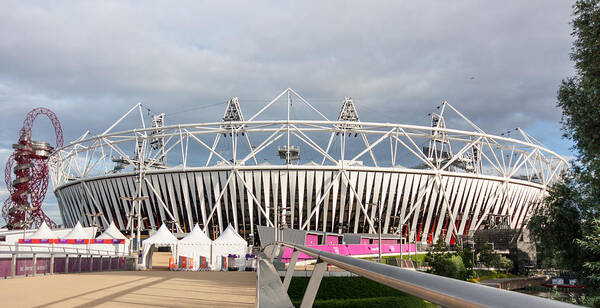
x,y
132,289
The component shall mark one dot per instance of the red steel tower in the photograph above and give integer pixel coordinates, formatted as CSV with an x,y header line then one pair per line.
x,y
29,164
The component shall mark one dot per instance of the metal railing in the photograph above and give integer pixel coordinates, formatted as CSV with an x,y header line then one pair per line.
x,y
53,256
446,292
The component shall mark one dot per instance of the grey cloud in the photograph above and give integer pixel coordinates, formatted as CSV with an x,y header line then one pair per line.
x,y
91,61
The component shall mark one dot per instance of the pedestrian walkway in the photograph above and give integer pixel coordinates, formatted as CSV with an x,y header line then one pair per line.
x,y
132,289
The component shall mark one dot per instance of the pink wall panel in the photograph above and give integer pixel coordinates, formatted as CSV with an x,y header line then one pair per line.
x,y
354,249
312,239
332,240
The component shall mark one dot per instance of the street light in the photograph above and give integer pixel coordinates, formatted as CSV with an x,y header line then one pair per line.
x,y
133,214
26,210
280,224
379,210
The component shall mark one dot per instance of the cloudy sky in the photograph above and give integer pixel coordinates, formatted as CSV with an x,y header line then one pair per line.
x,y
500,62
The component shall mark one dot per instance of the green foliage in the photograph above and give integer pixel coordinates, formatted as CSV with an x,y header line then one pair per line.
x,y
557,225
566,226
578,96
503,263
489,258
591,245
438,252
449,266
466,254
486,255
483,275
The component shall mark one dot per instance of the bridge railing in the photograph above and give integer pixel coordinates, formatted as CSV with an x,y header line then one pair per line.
x,y
33,260
446,292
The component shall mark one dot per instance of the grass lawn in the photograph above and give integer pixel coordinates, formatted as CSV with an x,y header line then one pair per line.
x,y
353,292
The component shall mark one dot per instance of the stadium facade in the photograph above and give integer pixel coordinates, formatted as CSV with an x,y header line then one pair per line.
x,y
320,174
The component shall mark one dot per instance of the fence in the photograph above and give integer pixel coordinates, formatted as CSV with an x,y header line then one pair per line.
x,y
32,260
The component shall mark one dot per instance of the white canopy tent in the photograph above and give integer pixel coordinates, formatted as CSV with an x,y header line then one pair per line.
x,y
196,244
112,233
77,233
229,242
162,238
43,232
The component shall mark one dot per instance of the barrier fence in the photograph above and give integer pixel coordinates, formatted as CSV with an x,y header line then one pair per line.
x,y
23,260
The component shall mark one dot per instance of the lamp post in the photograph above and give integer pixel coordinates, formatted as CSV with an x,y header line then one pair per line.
x,y
379,210
26,211
135,214
401,237
280,224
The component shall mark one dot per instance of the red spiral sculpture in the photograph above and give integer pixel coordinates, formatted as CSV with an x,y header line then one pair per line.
x,y
26,175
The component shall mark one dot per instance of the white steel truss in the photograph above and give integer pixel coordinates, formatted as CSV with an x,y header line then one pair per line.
x,y
457,177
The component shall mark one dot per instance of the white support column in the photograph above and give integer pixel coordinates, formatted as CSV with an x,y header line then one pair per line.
x,y
34,265
313,284
290,270
13,265
51,263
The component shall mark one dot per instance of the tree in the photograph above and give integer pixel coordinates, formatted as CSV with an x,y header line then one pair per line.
x,y
466,254
591,245
556,225
486,255
438,251
502,262
567,215
450,266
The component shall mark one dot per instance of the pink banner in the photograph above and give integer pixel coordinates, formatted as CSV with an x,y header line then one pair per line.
x,y
43,266
24,267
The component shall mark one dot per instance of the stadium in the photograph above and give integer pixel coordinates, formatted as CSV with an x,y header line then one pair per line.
x,y
342,175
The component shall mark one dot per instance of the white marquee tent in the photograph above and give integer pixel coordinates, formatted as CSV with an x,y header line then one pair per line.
x,y
162,238
43,232
77,233
112,233
195,245
229,242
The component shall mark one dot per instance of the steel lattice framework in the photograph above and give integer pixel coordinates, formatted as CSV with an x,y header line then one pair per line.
x,y
218,173
29,162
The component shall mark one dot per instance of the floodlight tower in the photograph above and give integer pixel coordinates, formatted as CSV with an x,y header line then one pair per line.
x,y
158,143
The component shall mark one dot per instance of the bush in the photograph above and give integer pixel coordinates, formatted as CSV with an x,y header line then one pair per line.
x,y
466,255
449,266
503,263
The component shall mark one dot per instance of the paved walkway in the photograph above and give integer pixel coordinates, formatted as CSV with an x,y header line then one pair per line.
x,y
132,289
